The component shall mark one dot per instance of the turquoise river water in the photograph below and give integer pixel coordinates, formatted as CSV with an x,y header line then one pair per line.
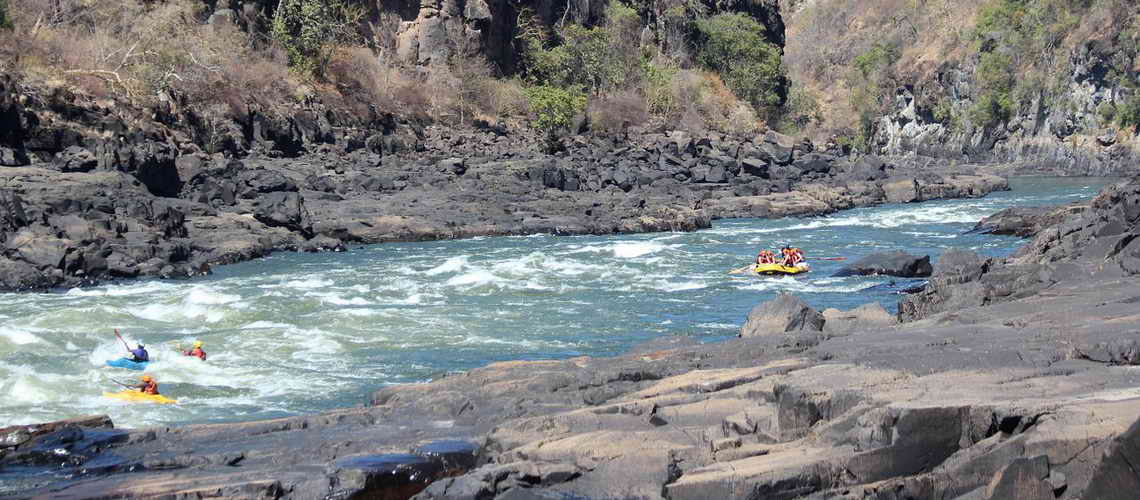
x,y
301,333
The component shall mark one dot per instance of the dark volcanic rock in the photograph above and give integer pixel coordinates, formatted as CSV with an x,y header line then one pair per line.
x,y
99,196
784,314
287,210
897,263
1096,243
1026,222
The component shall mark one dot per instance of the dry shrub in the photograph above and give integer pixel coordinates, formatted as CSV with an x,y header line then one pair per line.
x,y
614,112
506,98
363,76
142,50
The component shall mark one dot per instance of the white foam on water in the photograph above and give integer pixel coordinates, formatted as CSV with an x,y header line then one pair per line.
x,y
451,265
107,351
208,296
125,290
29,388
669,286
259,324
332,298
19,336
362,312
799,285
475,278
304,284
175,312
633,249
716,326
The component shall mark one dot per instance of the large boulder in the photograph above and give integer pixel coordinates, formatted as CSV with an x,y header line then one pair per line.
x,y
866,317
784,314
1116,476
895,263
1026,222
284,209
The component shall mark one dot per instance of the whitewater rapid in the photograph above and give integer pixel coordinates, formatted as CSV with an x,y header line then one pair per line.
x,y
301,333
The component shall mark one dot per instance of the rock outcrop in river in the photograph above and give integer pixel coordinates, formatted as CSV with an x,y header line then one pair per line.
x,y
1031,396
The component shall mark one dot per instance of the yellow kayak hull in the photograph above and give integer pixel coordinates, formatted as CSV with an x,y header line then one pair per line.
x,y
139,397
771,269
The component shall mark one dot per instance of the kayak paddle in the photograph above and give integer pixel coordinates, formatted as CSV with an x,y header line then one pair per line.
x,y
125,346
122,384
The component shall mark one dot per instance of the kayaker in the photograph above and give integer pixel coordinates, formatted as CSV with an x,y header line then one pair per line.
x,y
196,351
148,385
139,354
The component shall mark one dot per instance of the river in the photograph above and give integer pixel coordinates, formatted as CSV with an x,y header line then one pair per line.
x,y
301,333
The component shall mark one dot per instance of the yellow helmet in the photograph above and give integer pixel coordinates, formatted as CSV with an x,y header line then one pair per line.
x,y
197,343
147,378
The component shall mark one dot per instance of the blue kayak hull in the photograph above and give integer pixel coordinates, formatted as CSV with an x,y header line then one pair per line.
x,y
128,364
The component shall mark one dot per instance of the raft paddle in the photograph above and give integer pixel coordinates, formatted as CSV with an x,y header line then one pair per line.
x,y
741,270
125,346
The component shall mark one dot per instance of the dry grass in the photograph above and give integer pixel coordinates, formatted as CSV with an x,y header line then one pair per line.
x,y
614,112
825,36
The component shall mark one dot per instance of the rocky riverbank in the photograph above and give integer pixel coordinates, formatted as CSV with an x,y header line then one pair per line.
x,y
86,195
1029,394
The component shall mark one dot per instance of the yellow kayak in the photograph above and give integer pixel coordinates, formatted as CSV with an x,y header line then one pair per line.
x,y
130,395
770,269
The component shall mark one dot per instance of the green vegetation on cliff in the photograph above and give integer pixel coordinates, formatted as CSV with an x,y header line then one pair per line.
x,y
969,64
5,23
673,64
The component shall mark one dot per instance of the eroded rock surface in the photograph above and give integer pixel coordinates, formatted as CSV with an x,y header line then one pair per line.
x,y
93,199
897,263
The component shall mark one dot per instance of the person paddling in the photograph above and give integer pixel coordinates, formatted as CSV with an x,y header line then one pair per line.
x,y
148,385
765,257
792,256
196,351
139,354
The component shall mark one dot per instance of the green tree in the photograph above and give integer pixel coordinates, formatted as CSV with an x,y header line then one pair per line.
x,y
554,107
873,82
994,77
734,46
1128,113
598,59
306,29
5,22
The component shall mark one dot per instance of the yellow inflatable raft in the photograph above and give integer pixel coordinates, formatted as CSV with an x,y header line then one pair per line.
x,y
771,269
139,397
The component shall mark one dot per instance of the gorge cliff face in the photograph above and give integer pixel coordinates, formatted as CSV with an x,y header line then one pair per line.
x,y
1048,85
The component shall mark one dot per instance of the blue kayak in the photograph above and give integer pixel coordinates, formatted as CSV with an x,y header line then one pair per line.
x,y
127,363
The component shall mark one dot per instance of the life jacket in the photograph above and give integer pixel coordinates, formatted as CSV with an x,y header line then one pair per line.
x,y
765,257
140,355
150,387
197,352
797,255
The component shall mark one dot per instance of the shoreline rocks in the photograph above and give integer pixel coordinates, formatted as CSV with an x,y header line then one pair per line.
x,y
897,263
107,206
1026,222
